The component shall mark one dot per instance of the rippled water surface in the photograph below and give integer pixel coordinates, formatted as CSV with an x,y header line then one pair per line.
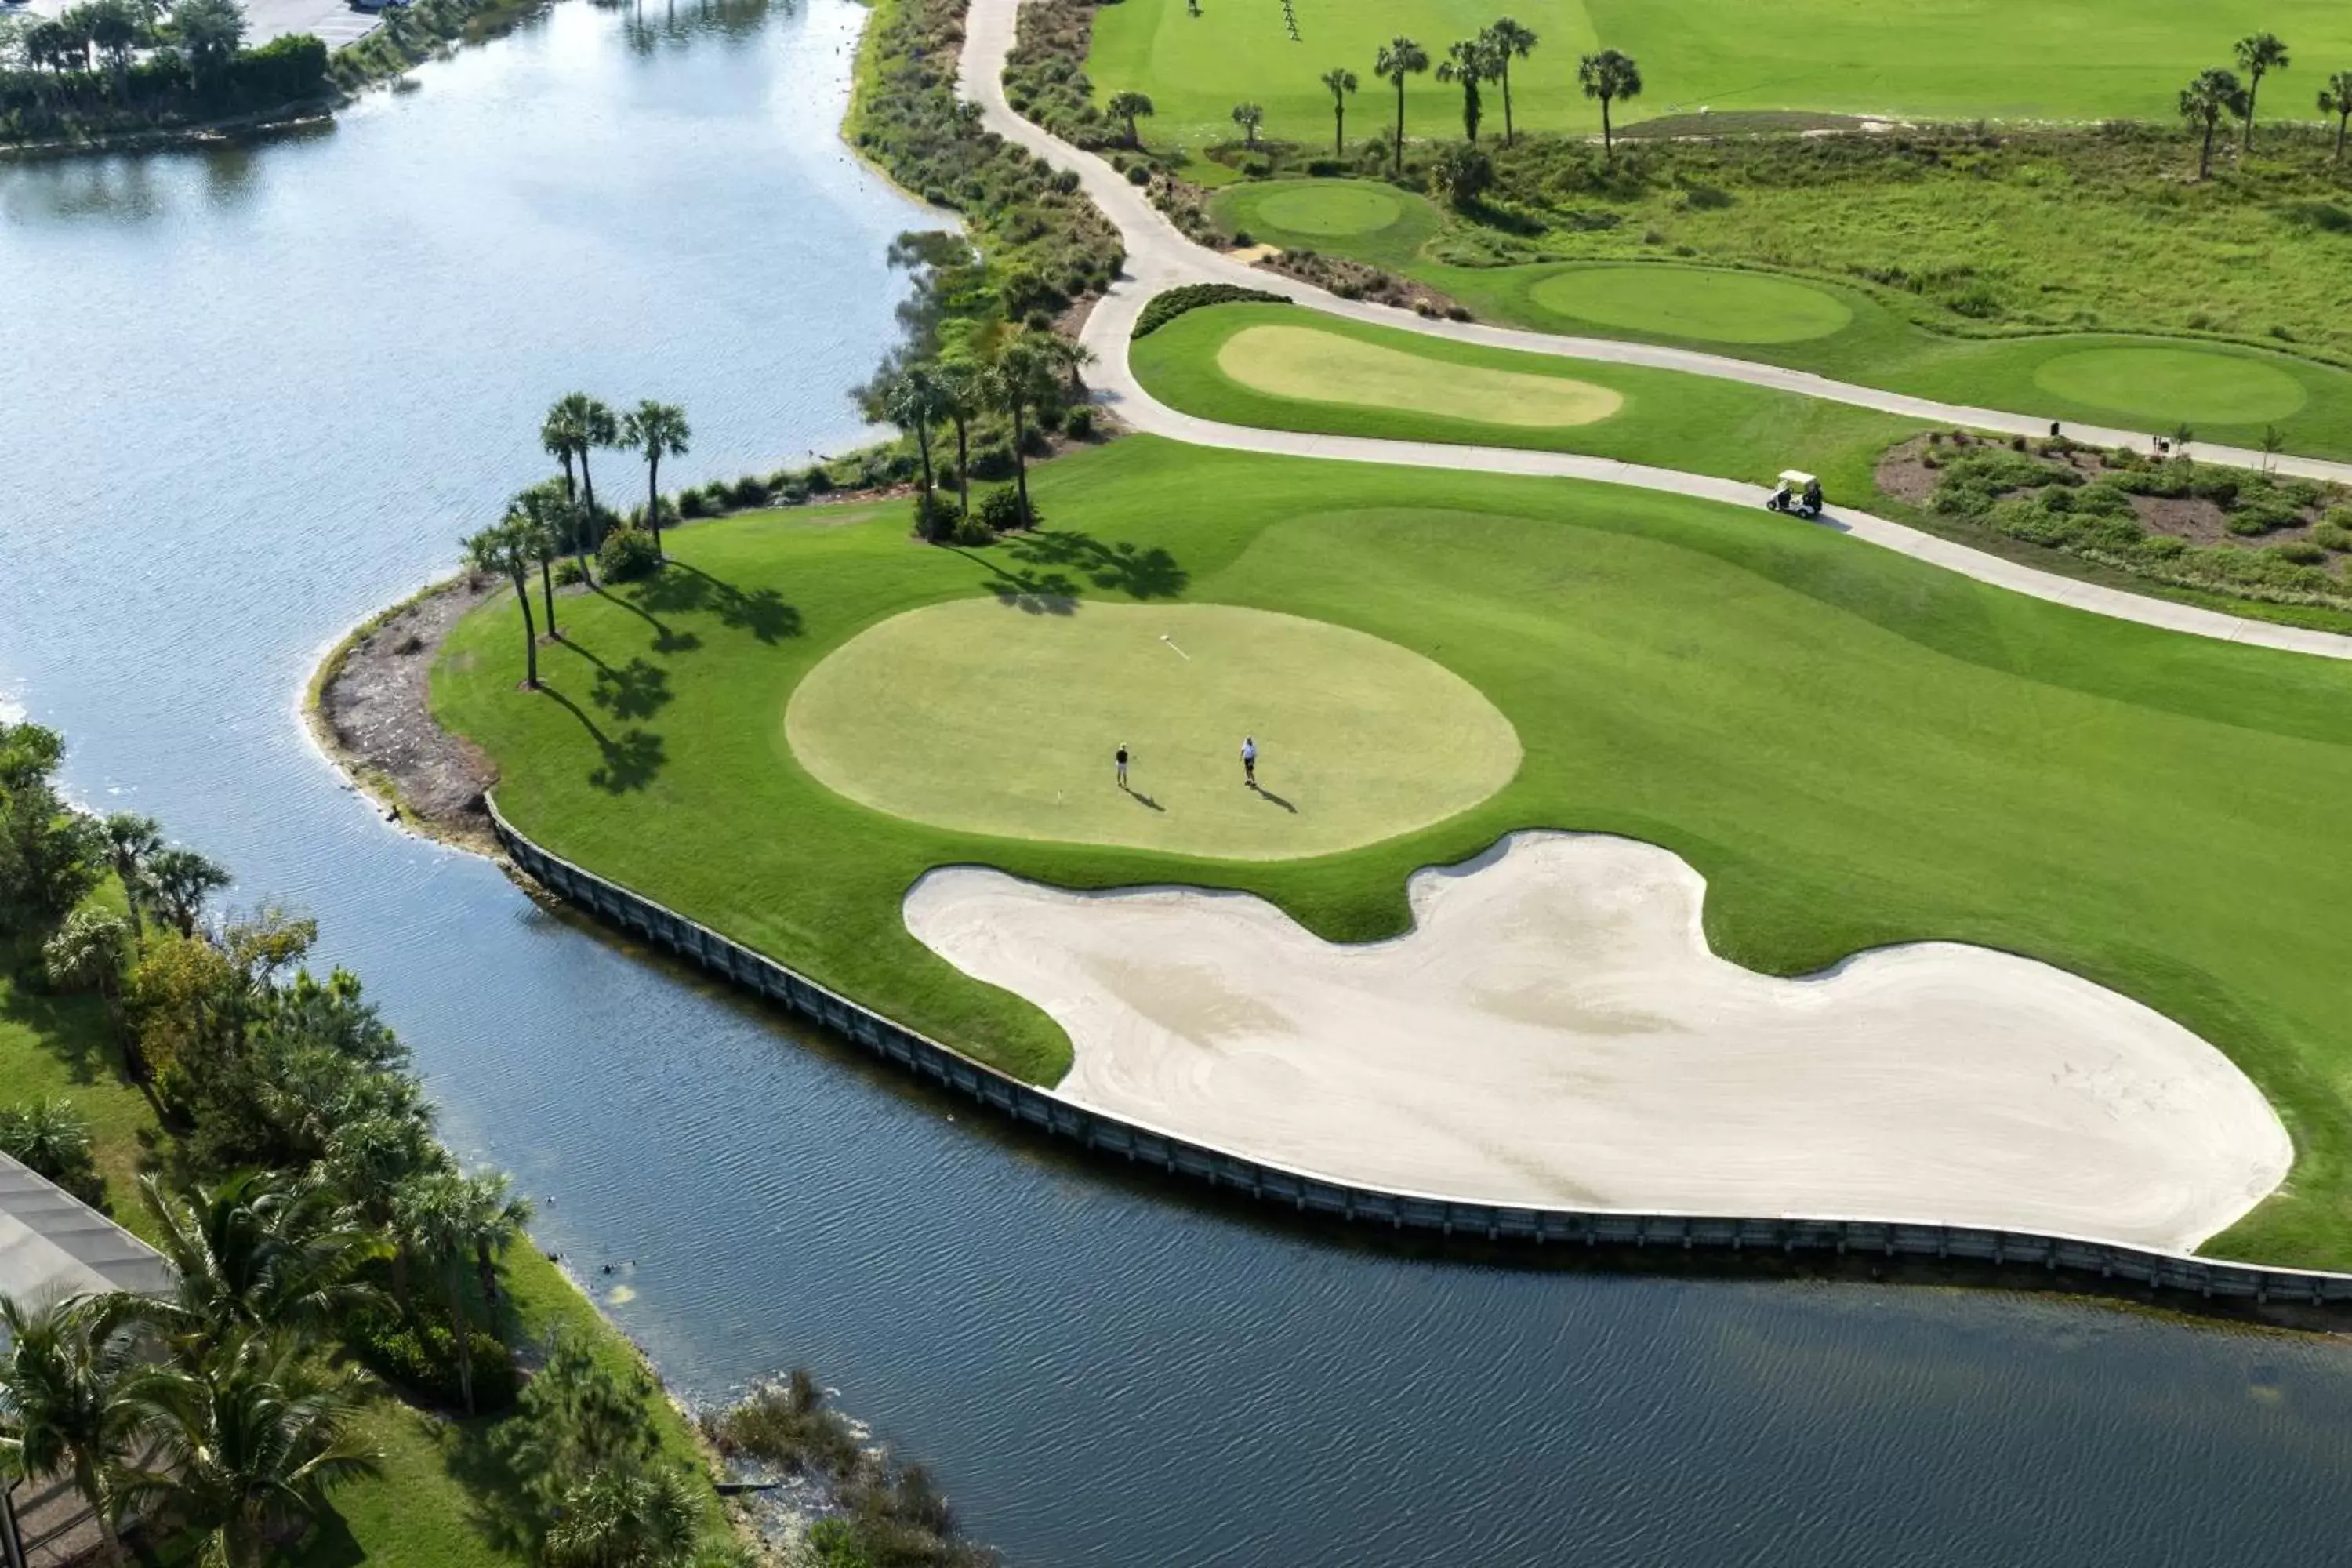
x,y
245,398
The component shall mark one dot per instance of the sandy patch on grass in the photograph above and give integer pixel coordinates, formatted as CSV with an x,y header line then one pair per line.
x,y
1555,1031
1330,367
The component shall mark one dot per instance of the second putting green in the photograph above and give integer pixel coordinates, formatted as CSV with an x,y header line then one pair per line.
x,y
1325,367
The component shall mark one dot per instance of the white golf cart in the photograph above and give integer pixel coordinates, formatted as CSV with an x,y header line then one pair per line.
x,y
1797,493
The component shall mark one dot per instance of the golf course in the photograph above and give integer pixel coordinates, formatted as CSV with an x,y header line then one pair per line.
x,y
2228,392
805,712
2000,59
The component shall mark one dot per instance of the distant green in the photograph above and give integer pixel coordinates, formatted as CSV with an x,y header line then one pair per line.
x,y
1853,748
1999,60
2225,391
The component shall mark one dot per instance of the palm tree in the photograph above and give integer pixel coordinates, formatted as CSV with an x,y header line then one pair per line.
x,y
248,1441
622,1517
1467,61
1397,59
1130,106
1341,81
2257,55
254,1250
177,883
506,547
68,1374
1609,76
914,401
1023,381
85,953
130,840
1068,357
1506,39
547,522
2336,99
460,1224
658,430
579,423
963,393
1249,117
2203,102
370,1160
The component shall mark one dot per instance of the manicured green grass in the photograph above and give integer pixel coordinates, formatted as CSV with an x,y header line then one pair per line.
x,y
2227,391
1671,420
1706,307
1359,739
63,1047
1853,748
2159,384
1329,207
2085,64
1305,361
2002,60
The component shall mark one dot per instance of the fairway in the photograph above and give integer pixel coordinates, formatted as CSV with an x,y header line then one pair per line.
x,y
1854,749
1318,366
2168,384
2000,59
997,718
1686,302
1325,210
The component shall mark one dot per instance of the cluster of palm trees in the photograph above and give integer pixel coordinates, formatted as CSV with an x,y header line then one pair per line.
x,y
106,35
2219,94
224,1411
167,883
561,515
1023,375
1607,77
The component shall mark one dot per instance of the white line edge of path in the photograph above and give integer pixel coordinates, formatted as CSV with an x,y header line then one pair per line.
x,y
1159,257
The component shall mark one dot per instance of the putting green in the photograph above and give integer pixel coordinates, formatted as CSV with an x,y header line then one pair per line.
x,y
1332,209
2168,385
994,718
1325,367
1690,302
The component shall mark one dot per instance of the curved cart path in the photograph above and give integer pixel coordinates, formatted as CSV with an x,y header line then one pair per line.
x,y
1159,257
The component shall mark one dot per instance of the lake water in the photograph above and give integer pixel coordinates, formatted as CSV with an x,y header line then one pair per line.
x,y
247,396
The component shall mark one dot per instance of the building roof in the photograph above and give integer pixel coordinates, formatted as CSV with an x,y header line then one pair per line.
x,y
52,1245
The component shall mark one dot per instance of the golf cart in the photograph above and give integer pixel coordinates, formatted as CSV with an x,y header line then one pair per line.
x,y
1797,493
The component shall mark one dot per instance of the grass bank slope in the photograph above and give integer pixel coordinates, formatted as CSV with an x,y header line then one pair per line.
x,y
2000,59
1854,749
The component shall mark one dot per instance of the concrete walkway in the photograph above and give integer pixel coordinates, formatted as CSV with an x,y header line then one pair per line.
x,y
1159,257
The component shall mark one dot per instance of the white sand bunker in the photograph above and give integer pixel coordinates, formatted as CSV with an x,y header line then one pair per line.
x,y
1554,1031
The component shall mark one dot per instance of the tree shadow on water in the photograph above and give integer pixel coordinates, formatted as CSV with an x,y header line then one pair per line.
x,y
631,758
680,587
1140,573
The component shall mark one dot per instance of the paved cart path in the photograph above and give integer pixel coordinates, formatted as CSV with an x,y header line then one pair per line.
x,y
1159,257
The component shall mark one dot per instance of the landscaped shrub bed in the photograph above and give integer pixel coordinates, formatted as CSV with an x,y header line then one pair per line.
x,y
907,117
2171,518
1166,307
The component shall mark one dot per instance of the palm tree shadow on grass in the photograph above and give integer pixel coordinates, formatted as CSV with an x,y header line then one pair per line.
x,y
665,640
1031,592
1139,574
631,758
678,588
636,690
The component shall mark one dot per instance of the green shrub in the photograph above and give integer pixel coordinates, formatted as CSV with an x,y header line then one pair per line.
x,y
692,503
2332,536
1164,308
568,574
420,1359
50,1139
974,530
935,515
1078,421
817,481
748,490
627,553
1000,509
2300,553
